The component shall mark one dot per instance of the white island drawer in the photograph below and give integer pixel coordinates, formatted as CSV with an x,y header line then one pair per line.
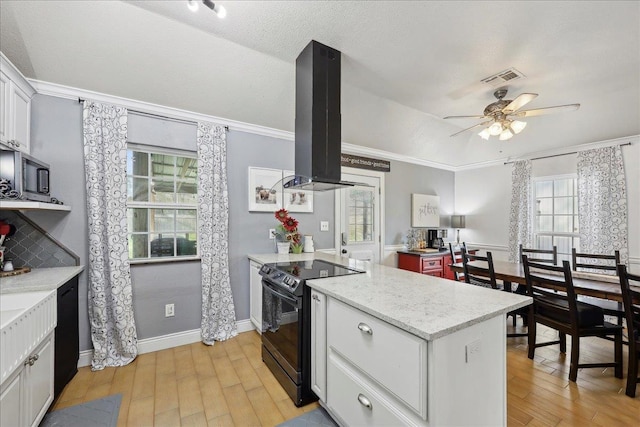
x,y
358,403
393,358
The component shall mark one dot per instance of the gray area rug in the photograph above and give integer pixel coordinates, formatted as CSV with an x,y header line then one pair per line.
x,y
97,413
317,417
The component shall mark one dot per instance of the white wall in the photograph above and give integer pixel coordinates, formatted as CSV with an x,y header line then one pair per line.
x,y
484,195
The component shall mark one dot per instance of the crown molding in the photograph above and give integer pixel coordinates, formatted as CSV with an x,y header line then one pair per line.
x,y
67,92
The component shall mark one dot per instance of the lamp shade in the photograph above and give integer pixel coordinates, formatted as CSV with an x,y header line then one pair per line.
x,y
457,221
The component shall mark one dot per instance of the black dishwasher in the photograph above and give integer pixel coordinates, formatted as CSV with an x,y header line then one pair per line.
x,y
67,346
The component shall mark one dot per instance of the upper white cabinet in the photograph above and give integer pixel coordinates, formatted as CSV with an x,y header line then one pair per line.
x,y
15,107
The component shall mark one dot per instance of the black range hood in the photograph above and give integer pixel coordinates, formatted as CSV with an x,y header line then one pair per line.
x,y
318,120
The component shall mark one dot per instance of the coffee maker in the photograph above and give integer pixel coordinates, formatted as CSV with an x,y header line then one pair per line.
x,y
435,238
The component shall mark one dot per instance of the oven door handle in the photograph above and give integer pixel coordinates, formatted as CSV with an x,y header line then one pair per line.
x,y
268,287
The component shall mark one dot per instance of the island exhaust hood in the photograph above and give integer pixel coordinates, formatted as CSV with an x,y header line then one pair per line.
x,y
318,121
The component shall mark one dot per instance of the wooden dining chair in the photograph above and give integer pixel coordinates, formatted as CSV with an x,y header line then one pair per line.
x,y
476,275
456,257
555,305
549,256
585,261
486,277
631,301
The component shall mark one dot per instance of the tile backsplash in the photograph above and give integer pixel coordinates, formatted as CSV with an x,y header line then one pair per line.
x,y
32,247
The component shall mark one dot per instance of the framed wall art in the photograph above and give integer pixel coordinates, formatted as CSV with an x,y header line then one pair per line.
x,y
263,195
297,200
425,210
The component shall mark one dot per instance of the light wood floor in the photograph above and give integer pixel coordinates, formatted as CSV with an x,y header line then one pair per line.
x,y
228,384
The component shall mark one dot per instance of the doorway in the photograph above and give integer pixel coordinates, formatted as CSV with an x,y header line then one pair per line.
x,y
359,216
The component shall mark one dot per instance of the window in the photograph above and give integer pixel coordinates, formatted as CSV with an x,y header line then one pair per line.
x,y
556,214
360,211
161,204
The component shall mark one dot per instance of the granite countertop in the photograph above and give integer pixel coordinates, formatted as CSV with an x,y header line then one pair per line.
x,y
39,279
427,306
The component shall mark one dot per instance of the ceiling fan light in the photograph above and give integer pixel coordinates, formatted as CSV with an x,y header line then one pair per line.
x,y
517,126
193,5
485,134
505,135
495,129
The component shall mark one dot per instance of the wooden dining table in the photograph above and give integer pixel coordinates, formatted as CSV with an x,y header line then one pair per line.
x,y
590,284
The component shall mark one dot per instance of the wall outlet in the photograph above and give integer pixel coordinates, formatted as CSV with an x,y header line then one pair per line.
x,y
169,310
272,233
324,225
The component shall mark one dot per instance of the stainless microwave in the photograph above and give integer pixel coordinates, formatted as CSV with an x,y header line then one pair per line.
x,y
25,175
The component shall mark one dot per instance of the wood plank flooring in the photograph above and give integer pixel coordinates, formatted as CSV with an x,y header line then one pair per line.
x,y
228,385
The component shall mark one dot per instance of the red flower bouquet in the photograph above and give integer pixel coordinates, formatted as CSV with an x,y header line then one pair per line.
x,y
287,231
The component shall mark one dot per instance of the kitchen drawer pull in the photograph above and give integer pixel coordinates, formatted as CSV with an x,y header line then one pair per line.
x,y
364,401
365,328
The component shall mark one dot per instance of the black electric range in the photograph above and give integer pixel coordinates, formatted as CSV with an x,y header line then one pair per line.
x,y
286,321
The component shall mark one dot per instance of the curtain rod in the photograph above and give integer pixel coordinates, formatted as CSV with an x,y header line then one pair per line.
x,y
558,155
174,119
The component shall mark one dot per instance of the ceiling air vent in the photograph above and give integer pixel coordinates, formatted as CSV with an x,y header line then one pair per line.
x,y
502,77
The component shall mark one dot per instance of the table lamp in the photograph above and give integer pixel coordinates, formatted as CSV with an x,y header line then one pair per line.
x,y
457,222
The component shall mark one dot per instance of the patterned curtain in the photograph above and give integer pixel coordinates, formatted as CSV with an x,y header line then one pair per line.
x,y
520,221
602,202
218,311
113,329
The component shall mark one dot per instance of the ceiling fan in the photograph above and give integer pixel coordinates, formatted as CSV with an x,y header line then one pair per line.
x,y
502,115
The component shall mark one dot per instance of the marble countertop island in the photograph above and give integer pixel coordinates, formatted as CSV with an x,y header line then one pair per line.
x,y
39,279
426,306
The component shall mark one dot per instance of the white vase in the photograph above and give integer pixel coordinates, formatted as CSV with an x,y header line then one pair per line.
x,y
283,247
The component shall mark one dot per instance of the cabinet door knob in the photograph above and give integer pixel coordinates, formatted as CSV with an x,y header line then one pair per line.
x,y
365,328
364,401
315,298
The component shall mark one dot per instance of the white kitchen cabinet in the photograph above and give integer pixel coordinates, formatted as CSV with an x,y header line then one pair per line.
x,y
15,108
255,295
379,374
26,396
319,344
10,402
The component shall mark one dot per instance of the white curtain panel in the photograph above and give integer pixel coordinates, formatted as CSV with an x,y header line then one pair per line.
x,y
520,213
218,321
113,329
602,202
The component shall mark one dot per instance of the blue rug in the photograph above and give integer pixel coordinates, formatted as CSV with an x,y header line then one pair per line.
x,y
317,417
97,413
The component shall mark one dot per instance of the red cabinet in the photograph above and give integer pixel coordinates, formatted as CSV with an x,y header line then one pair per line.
x,y
433,264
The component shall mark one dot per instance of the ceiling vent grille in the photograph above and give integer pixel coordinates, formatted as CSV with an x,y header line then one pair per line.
x,y
508,75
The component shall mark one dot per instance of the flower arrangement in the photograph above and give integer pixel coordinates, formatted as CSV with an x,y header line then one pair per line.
x,y
287,231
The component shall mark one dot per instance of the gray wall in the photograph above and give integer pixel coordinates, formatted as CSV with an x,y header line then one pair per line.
x,y
405,179
57,139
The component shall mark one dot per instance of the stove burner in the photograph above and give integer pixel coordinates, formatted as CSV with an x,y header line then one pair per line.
x,y
291,274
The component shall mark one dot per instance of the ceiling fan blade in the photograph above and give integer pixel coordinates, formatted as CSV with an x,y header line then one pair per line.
x,y
520,101
546,110
473,127
464,117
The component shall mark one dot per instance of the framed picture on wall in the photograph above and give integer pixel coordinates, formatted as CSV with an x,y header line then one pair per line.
x,y
425,210
264,196
297,200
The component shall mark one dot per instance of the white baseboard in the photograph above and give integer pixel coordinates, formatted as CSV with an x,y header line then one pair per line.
x,y
149,345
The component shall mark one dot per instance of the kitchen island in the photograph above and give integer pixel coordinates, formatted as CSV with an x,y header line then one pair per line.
x,y
398,348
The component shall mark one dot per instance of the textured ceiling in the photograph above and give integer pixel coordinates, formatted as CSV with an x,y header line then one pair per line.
x,y
405,65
